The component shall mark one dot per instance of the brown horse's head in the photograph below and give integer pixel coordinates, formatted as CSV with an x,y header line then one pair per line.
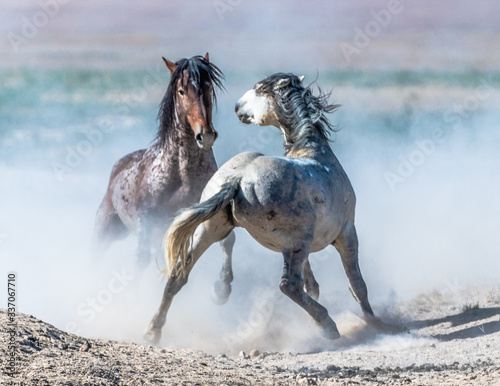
x,y
191,96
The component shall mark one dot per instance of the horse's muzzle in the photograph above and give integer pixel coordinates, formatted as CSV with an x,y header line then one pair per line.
x,y
205,140
243,115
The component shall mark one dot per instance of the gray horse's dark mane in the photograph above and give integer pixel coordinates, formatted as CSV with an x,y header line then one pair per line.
x,y
200,71
301,113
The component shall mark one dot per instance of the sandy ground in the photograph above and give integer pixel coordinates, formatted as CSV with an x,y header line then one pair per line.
x,y
453,339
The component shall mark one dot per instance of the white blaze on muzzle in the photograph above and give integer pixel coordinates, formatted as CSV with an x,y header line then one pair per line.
x,y
254,108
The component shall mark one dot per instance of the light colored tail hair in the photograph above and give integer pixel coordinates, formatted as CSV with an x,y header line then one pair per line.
x,y
180,234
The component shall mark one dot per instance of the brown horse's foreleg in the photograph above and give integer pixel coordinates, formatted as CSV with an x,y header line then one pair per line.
x,y
292,285
144,237
222,288
311,285
107,229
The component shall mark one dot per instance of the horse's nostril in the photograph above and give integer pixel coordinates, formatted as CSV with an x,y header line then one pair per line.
x,y
199,137
216,134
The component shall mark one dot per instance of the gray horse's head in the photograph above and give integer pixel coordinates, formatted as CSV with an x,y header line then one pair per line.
x,y
281,100
258,105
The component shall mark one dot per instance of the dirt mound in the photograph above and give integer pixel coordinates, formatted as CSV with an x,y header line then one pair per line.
x,y
451,342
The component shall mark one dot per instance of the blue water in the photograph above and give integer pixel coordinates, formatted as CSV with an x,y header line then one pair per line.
x,y
43,111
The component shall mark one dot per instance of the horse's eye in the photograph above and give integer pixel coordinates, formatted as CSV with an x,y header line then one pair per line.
x,y
182,92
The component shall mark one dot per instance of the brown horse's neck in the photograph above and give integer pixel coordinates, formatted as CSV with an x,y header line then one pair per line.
x,y
181,152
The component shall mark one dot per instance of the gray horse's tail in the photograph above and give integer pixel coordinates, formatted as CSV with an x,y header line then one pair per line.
x,y
180,233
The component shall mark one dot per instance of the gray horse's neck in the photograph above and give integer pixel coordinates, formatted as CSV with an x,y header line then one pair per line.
x,y
312,145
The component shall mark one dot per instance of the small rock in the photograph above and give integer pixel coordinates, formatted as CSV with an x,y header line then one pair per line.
x,y
243,355
306,379
85,346
254,353
333,368
63,346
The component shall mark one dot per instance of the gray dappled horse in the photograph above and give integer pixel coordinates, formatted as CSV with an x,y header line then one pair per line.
x,y
296,204
149,186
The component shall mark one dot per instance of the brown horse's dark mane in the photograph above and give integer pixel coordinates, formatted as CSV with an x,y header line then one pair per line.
x,y
200,71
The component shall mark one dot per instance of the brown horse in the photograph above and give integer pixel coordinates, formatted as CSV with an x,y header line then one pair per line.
x,y
149,186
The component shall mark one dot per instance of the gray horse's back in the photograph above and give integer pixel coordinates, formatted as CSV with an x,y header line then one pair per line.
x,y
281,198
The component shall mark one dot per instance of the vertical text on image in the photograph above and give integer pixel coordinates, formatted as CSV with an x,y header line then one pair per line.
x,y
11,325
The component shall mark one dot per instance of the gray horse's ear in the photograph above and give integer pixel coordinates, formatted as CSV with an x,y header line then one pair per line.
x,y
301,78
170,65
207,58
281,83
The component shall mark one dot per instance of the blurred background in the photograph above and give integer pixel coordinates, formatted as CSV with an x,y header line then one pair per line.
x,y
418,136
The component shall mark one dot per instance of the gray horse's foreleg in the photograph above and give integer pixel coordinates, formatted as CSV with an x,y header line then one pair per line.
x,y
222,288
292,285
311,285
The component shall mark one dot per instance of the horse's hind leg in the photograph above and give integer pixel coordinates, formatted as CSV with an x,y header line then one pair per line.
x,y
311,285
203,238
222,287
347,246
292,285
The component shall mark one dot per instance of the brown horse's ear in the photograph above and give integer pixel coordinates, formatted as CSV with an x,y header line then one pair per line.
x,y
207,58
170,65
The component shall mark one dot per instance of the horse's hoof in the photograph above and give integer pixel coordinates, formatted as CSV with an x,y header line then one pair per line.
x,y
330,330
152,336
220,292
